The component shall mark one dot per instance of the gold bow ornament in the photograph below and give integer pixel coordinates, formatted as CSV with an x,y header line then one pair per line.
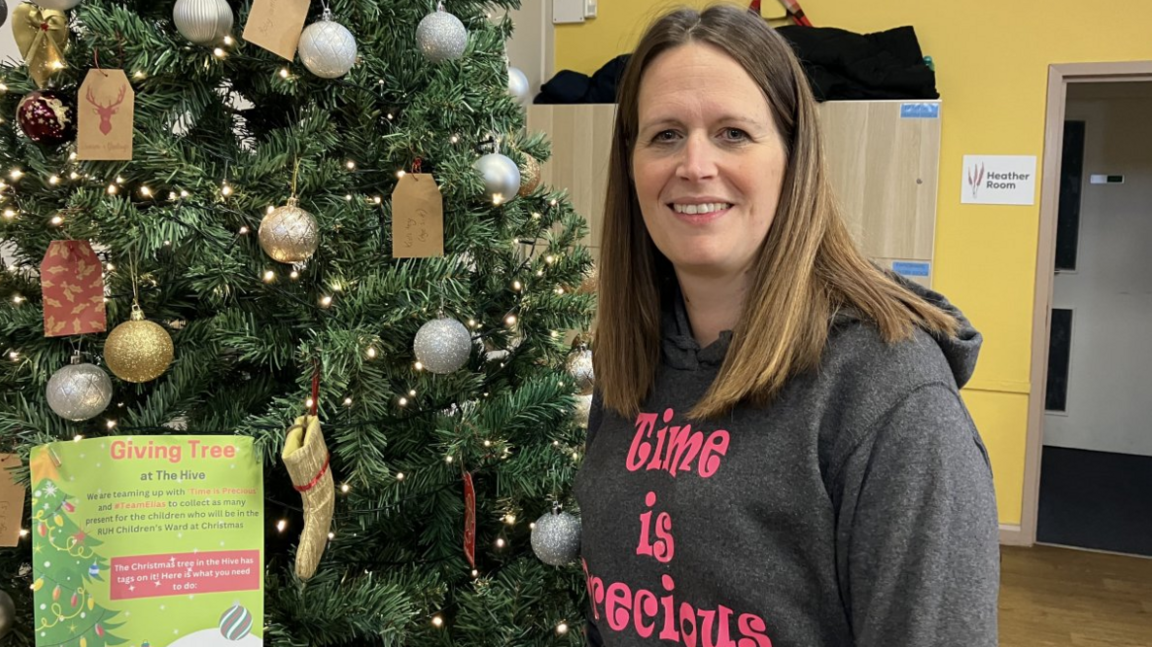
x,y
42,35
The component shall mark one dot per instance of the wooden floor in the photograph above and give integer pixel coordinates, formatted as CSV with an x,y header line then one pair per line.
x,y
1053,597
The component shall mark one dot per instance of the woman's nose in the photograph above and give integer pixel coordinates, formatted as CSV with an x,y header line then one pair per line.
x,y
697,158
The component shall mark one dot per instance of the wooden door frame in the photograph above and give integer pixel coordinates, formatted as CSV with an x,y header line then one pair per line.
x,y
1059,77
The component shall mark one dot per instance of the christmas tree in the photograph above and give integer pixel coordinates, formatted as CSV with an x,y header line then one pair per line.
x,y
72,615
358,233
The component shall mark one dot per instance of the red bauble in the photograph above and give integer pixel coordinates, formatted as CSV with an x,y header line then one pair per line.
x,y
46,117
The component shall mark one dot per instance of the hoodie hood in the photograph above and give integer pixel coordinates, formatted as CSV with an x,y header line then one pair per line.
x,y
962,350
681,351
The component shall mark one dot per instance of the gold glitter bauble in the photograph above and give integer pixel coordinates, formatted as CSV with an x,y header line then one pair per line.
x,y
289,234
138,350
591,283
529,175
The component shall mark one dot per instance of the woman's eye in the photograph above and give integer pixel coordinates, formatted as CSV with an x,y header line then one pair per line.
x,y
665,136
735,134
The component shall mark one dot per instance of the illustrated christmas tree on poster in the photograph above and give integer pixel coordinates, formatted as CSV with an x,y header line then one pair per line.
x,y
68,565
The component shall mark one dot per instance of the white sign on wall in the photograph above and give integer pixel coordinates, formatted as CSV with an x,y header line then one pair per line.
x,y
999,179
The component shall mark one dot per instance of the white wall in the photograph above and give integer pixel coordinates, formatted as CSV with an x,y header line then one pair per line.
x,y
9,53
532,45
8,47
1110,380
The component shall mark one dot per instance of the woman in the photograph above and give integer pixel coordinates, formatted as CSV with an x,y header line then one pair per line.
x,y
777,453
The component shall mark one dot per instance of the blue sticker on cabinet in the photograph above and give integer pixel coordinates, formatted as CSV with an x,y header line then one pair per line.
x,y
920,111
905,268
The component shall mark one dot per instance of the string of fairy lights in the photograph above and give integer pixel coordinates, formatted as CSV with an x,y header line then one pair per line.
x,y
115,187
12,210
371,352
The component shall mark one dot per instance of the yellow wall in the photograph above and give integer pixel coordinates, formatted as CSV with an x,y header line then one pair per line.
x,y
991,60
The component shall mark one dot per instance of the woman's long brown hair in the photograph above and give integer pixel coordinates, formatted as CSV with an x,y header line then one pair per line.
x,y
806,270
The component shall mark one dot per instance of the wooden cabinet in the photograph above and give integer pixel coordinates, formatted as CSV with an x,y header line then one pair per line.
x,y
883,159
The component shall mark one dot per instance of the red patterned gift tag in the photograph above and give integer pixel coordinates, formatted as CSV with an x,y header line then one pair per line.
x,y
73,285
469,519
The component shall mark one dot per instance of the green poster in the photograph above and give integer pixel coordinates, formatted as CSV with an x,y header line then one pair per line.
x,y
148,542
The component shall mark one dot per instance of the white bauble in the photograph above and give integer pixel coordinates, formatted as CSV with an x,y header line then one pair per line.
x,y
327,48
58,5
518,86
581,369
501,177
583,409
204,22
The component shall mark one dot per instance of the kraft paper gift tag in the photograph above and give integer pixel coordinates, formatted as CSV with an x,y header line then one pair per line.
x,y
11,502
73,287
417,217
276,25
106,115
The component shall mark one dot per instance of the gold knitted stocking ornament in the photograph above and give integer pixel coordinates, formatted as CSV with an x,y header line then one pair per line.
x,y
306,457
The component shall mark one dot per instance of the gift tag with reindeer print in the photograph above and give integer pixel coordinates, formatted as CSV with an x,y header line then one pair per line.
x,y
106,110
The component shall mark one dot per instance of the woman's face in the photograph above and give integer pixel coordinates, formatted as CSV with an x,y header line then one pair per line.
x,y
708,161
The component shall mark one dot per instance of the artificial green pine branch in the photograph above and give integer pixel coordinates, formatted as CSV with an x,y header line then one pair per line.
x,y
216,143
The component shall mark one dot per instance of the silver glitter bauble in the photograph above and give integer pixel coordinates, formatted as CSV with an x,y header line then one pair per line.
x,y
583,409
518,86
79,391
501,177
556,538
327,48
7,615
441,36
580,368
204,22
3,19
58,5
289,234
443,345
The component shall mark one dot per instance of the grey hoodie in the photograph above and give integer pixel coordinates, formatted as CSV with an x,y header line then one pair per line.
x,y
856,509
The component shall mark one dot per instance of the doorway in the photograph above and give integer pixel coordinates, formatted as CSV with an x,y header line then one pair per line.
x,y
1088,472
